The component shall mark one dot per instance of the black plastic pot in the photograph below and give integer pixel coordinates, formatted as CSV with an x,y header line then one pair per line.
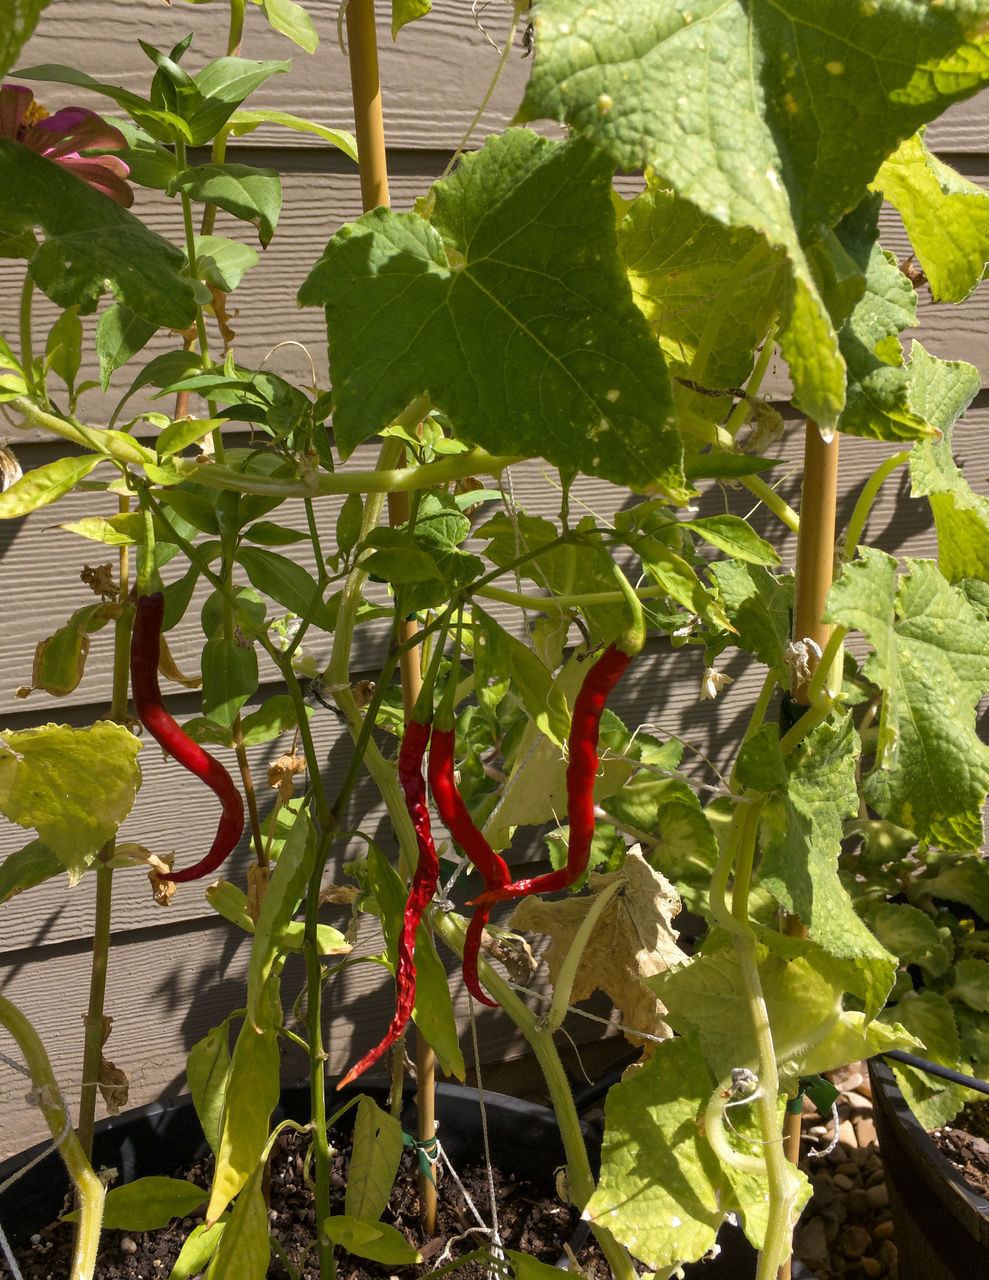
x,y
159,1138
942,1225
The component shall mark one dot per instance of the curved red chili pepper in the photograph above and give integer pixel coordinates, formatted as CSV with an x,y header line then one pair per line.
x,y
423,888
494,869
581,771
144,654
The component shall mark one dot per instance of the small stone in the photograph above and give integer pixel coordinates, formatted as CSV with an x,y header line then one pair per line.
x,y
889,1258
127,1245
877,1196
843,1181
839,1155
810,1244
857,1203
846,1135
824,1193
36,1239
865,1131
858,1102
849,1167
855,1240
883,1230
878,1174
871,1266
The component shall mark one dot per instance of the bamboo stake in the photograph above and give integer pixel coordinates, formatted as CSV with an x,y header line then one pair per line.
x,y
815,572
370,133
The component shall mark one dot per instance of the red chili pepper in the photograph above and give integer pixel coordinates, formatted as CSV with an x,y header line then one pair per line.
x,y
145,650
420,895
581,772
494,869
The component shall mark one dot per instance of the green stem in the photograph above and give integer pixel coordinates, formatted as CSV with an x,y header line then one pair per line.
x,y
758,715
92,1048
771,499
741,410
236,31
866,498
568,970
27,345
90,1192
580,1179
322,1156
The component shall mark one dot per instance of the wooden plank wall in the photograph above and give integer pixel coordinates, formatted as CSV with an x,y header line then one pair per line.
x,y
176,972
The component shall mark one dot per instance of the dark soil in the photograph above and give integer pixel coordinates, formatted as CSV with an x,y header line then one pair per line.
x,y
529,1220
965,1142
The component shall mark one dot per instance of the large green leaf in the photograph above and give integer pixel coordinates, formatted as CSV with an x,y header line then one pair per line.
x,y
931,658
946,217
44,484
747,110
242,122
414,308
708,289
290,19
658,1192
92,245
244,1249
377,1150
251,194
74,786
801,831
942,390
878,401
378,1241
24,868
207,1070
149,1203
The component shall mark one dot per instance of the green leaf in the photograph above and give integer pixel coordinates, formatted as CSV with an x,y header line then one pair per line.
x,y
160,124
946,217
965,881
161,371
230,677
659,1188
284,893
207,1071
800,833
75,786
942,391
92,245
707,994
878,403
19,20
931,659
148,1204
222,262
44,484
971,984
251,1094
244,1250
766,150
64,346
377,1150
24,868
403,11
290,19
242,122
253,195
707,289
224,84
735,537
911,935
200,1245
433,1009
120,334
285,582
487,274
758,606
375,1240
59,660
275,716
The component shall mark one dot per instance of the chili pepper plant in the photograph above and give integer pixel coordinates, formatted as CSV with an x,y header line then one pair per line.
x,y
523,310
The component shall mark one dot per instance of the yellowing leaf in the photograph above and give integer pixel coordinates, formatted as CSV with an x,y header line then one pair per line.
x,y
633,939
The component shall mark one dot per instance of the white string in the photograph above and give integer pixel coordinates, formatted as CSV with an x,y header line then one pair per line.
x,y
492,1197
5,1246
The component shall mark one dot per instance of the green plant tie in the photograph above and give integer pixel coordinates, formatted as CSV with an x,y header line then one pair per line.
x,y
821,1092
428,1153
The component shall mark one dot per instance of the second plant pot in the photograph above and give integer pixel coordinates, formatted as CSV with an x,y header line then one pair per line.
x,y
942,1225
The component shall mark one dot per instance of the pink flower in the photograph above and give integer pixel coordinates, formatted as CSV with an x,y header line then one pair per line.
x,y
63,136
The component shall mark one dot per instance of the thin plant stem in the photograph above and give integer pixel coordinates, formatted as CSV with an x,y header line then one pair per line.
x,y
27,343
90,1191
866,498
